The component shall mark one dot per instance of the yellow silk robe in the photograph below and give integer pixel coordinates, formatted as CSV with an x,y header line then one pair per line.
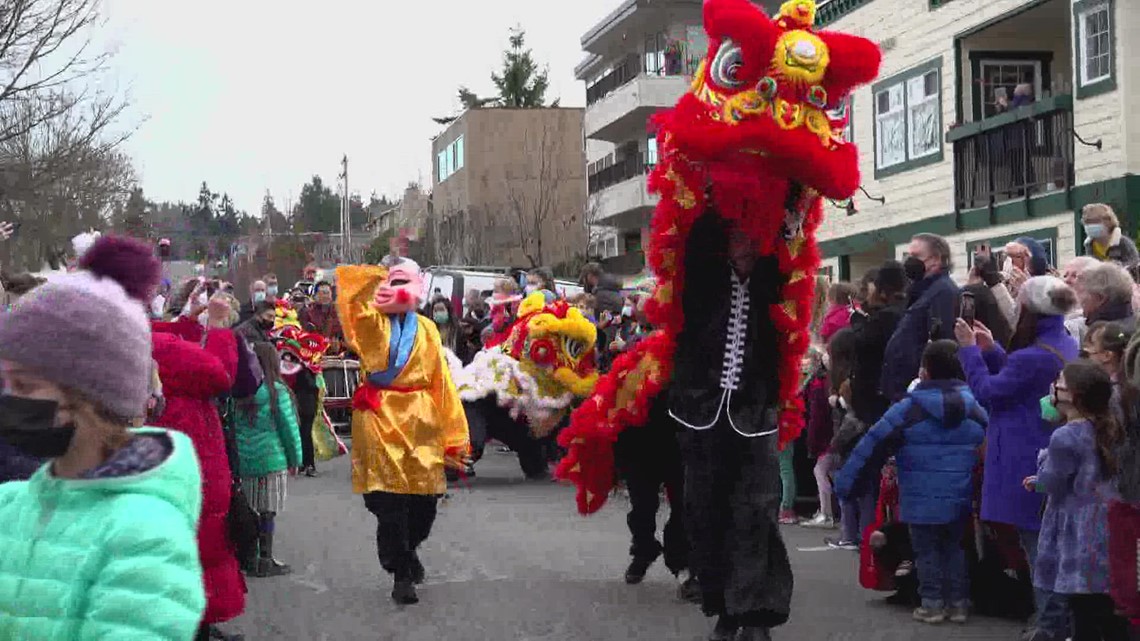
x,y
400,447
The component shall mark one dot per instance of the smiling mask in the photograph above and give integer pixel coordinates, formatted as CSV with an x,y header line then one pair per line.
x,y
402,290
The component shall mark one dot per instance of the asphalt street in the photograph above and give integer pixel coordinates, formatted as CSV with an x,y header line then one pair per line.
x,y
510,559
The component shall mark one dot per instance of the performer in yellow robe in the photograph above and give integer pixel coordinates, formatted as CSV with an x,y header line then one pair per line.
x,y
407,420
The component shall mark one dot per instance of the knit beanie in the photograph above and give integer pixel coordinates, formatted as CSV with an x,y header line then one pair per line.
x,y
1038,259
88,330
1047,296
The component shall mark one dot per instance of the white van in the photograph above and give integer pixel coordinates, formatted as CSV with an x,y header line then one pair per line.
x,y
454,283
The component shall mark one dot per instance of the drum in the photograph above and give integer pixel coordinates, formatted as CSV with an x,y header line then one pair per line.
x,y
342,377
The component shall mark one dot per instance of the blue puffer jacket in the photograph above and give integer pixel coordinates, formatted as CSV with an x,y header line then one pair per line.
x,y
104,558
934,433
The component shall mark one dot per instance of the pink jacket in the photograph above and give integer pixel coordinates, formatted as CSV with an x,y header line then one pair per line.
x,y
836,318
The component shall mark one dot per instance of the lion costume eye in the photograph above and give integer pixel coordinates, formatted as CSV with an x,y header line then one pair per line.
x,y
574,348
727,65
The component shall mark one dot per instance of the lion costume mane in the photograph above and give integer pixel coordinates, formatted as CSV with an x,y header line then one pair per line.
x,y
759,140
546,361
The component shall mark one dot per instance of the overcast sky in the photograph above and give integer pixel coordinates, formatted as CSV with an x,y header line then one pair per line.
x,y
250,95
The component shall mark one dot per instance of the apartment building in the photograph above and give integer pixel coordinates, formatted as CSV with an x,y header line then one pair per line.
x,y
509,188
409,215
952,145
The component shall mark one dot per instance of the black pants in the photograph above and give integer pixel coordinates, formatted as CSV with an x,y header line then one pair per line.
x,y
306,414
732,498
403,522
1095,618
644,487
486,420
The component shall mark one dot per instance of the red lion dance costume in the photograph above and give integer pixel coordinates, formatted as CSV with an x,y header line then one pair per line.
x,y
749,152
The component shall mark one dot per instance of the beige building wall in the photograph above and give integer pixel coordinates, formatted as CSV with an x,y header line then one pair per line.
x,y
522,185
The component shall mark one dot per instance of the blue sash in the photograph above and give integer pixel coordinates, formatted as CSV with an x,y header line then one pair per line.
x,y
402,339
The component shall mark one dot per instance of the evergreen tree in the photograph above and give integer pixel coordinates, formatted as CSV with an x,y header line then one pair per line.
x,y
522,83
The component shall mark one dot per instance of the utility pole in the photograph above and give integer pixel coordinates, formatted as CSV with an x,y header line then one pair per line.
x,y
345,215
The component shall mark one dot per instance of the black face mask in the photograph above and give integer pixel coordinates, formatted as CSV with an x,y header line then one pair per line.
x,y
29,426
266,325
915,269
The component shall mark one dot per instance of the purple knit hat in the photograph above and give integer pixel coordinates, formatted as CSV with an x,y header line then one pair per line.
x,y
88,330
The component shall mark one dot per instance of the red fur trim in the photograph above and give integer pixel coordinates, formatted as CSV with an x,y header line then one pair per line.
x,y
749,163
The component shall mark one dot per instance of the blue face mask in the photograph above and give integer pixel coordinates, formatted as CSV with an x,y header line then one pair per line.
x,y
258,297
1095,231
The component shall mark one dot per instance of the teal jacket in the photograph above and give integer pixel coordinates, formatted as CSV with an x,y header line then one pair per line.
x,y
107,558
267,444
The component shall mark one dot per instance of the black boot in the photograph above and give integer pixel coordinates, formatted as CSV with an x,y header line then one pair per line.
x,y
725,629
404,593
267,566
635,573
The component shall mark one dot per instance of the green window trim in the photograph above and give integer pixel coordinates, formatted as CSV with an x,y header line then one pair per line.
x,y
997,243
1103,85
833,10
934,4
902,78
1121,193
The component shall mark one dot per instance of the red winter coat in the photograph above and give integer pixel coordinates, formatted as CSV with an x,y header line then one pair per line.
x,y
191,377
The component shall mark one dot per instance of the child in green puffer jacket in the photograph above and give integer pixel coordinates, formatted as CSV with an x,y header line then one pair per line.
x,y
269,450
100,542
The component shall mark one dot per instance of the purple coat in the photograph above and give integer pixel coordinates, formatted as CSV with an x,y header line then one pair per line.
x,y
1011,389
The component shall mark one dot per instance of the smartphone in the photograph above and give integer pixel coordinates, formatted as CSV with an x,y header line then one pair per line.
x,y
968,313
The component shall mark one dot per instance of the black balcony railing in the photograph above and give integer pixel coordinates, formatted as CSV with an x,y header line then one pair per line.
x,y
613,80
1022,153
624,169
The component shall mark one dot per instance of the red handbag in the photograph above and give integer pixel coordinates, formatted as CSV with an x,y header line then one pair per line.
x,y
1123,548
874,573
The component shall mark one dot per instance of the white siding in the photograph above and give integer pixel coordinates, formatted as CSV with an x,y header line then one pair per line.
x,y
962,244
911,34
1128,79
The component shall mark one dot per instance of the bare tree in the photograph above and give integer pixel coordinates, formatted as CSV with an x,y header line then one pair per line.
x,y
45,46
532,195
62,175
593,233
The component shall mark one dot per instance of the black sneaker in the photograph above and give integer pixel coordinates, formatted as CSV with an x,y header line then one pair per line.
x,y
217,635
754,634
725,630
635,573
267,568
689,589
404,593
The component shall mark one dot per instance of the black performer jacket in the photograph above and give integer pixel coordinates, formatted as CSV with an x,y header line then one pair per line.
x,y
726,358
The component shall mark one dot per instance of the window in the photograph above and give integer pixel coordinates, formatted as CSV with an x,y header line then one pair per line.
x,y
1095,40
651,151
1001,77
842,111
908,119
450,159
655,54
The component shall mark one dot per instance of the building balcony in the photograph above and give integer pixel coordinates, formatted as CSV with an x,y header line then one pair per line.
x,y
622,170
625,264
622,112
1018,154
620,194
